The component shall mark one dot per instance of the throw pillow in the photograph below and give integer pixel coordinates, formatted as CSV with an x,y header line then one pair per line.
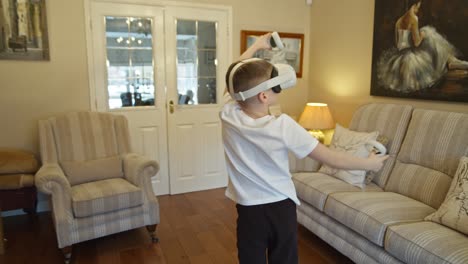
x,y
453,212
79,172
353,143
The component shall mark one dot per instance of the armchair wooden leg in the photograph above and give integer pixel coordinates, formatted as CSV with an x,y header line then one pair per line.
x,y
67,251
152,231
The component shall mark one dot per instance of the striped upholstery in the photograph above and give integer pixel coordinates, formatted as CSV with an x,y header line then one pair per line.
x,y
302,165
47,143
314,188
104,196
78,130
85,136
420,183
370,213
85,211
391,121
429,156
426,242
345,240
86,228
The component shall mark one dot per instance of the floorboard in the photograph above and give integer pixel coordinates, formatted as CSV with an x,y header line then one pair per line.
x,y
195,228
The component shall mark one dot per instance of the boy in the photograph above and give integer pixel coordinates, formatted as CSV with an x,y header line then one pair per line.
x,y
256,146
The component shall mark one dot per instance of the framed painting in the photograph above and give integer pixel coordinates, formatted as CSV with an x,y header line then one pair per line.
x,y
292,53
420,49
23,30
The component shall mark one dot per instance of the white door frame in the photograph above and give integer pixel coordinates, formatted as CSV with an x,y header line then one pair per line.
x,y
95,93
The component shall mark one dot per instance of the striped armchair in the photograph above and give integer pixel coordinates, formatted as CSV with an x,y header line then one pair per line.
x,y
96,184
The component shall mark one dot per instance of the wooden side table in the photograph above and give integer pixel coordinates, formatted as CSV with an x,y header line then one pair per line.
x,y
2,241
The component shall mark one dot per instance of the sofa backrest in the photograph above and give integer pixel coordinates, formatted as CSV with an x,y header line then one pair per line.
x,y
391,121
429,156
83,136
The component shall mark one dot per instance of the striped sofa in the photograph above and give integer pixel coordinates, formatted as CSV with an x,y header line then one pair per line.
x,y
384,223
96,184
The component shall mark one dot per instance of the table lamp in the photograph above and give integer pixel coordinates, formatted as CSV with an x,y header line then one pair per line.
x,y
315,117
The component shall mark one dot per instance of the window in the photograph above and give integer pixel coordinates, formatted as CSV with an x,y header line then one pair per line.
x,y
130,72
196,62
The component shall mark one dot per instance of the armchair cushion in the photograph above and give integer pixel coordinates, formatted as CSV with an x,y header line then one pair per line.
x,y
104,196
79,172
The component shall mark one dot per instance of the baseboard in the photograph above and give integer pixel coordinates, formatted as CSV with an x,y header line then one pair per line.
x,y
42,206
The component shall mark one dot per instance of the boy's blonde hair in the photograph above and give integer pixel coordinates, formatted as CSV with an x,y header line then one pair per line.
x,y
249,75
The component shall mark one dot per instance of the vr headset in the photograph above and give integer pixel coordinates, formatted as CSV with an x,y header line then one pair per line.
x,y
283,76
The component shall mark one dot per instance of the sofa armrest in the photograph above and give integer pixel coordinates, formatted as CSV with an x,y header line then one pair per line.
x,y
303,165
51,180
138,170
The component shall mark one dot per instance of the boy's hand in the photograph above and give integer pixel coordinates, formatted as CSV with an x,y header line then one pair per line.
x,y
376,162
263,42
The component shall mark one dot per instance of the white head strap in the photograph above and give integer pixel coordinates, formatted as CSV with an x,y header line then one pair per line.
x,y
286,78
233,70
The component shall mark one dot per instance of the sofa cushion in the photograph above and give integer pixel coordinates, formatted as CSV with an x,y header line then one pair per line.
x,y
420,183
370,213
104,196
314,187
79,172
426,242
353,143
453,212
391,121
429,156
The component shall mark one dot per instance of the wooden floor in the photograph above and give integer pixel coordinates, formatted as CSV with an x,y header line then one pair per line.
x,y
196,228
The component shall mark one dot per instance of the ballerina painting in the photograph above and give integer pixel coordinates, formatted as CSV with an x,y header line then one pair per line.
x,y
420,49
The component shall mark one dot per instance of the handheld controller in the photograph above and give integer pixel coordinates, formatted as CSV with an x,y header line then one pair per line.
x,y
380,149
275,41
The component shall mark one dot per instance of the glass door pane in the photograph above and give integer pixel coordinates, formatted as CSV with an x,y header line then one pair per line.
x,y
130,72
196,62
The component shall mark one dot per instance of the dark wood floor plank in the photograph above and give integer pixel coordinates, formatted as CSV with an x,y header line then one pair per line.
x,y
216,251
195,228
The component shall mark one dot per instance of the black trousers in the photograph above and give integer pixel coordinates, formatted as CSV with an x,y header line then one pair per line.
x,y
267,231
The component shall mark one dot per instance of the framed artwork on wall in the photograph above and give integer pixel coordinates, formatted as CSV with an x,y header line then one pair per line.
x,y
292,53
23,30
420,49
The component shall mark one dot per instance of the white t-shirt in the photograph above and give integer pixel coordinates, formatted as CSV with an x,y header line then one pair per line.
x,y
257,155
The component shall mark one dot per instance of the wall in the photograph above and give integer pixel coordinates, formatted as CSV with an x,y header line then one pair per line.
x,y
340,59
34,90
31,90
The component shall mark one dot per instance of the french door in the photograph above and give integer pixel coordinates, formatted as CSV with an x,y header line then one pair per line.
x,y
162,67
196,59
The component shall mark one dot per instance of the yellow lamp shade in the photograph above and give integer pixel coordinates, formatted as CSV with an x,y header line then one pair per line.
x,y
316,116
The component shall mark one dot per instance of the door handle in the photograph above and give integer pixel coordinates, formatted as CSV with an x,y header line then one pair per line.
x,y
171,107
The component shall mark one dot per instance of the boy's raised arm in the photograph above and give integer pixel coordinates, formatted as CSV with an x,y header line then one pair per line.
x,y
262,42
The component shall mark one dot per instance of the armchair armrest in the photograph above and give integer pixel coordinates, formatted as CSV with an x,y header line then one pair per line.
x,y
50,179
303,165
138,170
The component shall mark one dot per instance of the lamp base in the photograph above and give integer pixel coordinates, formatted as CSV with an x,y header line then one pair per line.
x,y
318,134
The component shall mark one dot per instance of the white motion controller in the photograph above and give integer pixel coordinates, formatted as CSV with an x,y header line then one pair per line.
x,y
379,148
275,41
